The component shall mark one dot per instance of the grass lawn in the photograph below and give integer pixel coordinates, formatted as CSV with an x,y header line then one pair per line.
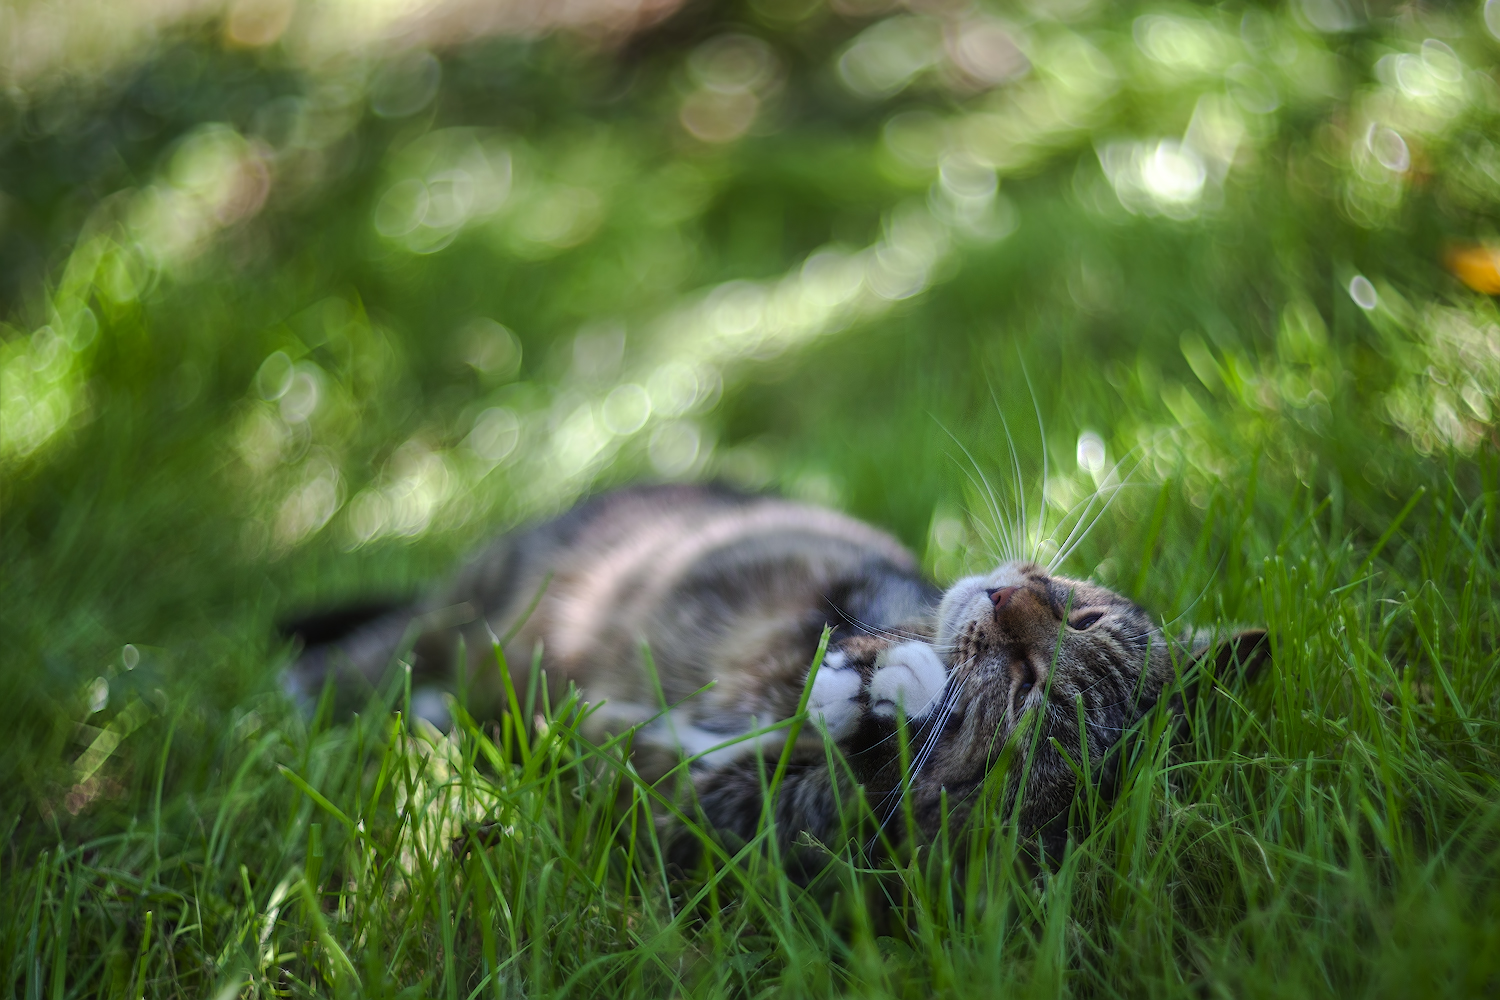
x,y
292,314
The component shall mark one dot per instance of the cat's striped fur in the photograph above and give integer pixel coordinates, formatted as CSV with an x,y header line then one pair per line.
x,y
730,594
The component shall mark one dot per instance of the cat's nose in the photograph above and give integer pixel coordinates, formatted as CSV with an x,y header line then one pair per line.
x,y
1001,596
1018,609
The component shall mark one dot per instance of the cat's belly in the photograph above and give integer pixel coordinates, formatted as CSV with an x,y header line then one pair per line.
x,y
662,593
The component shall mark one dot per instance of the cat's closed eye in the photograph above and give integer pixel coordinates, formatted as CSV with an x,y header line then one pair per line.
x,y
1087,620
1025,681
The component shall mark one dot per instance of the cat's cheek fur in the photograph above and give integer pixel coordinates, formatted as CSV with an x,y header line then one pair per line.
x,y
834,700
910,675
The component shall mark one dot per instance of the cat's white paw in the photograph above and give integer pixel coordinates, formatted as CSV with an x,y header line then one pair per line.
x,y
910,675
833,703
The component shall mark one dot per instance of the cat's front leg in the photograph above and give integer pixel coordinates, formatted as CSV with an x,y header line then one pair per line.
x,y
868,682
858,694
862,687
902,683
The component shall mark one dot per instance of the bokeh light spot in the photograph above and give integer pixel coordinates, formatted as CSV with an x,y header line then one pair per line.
x,y
490,348
626,409
732,63
98,695
1091,452
406,85
258,23
715,116
274,377
886,57
402,208
495,434
986,51
1389,149
675,448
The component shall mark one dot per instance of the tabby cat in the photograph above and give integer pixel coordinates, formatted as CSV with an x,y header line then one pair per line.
x,y
713,603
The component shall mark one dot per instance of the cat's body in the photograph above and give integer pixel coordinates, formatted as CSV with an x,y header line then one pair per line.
x,y
730,595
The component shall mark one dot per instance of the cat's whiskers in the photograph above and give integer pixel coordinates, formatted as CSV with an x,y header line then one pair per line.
x,y
1166,626
1041,429
993,544
1018,529
1001,541
1070,544
1079,510
930,743
1115,704
1147,633
1083,525
1097,681
934,728
939,723
892,734
876,630
1007,530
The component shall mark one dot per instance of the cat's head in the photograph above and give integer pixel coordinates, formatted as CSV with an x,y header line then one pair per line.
x,y
1029,654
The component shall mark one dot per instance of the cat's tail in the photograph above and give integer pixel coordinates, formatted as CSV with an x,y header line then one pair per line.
x,y
333,624
353,646
361,649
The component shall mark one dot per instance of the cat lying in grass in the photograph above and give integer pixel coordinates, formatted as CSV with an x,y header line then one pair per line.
x,y
693,614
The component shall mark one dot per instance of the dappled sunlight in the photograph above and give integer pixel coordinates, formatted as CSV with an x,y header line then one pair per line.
x,y
48,42
549,444
447,179
394,295
43,374
1022,92
732,75
41,389
1450,401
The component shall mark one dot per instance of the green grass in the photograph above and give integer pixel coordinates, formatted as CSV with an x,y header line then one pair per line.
x,y
1331,830
1294,459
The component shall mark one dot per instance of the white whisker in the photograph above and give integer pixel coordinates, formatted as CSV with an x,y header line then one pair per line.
x,y
1201,594
935,730
1068,547
994,503
1113,495
1018,530
996,548
1083,528
1087,504
1041,513
876,630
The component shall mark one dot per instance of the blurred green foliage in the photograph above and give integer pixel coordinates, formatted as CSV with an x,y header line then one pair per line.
x,y
300,301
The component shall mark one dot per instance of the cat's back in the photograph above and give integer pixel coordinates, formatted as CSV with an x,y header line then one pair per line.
x,y
722,586
649,593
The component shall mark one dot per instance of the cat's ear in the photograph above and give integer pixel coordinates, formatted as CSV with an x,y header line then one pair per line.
x,y
1232,658
1218,658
